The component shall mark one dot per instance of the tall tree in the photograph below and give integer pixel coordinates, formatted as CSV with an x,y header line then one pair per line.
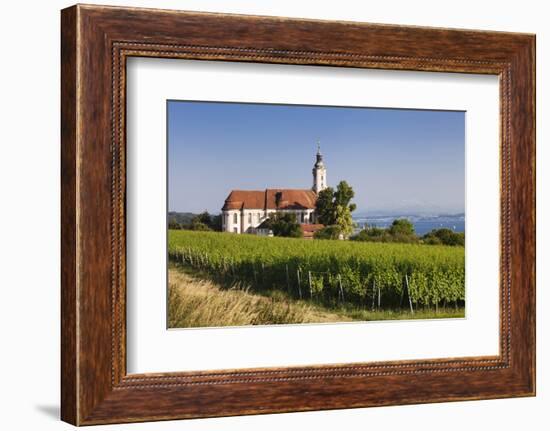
x,y
206,221
344,194
333,208
401,226
344,220
203,217
324,207
216,222
201,221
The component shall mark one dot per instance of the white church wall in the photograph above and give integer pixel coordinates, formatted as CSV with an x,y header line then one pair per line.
x,y
232,221
245,221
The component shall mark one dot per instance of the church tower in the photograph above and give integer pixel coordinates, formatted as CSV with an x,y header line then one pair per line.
x,y
319,172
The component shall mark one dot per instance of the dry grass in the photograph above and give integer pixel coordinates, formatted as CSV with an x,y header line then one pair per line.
x,y
195,302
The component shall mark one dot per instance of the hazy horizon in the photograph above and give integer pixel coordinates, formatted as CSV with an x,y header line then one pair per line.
x,y
396,160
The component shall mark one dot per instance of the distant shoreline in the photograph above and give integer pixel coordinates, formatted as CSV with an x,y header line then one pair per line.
x,y
422,224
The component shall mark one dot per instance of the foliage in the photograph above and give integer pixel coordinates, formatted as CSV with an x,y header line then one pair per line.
x,y
444,236
203,221
216,222
401,226
328,232
435,273
284,224
324,207
173,224
401,231
344,220
343,196
370,233
180,218
199,226
334,207
203,218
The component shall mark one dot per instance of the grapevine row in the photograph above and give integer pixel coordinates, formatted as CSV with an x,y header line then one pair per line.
x,y
364,274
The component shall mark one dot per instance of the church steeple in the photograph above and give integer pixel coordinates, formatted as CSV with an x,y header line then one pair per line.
x,y
319,155
319,172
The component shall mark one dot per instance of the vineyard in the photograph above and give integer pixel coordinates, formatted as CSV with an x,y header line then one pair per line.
x,y
369,275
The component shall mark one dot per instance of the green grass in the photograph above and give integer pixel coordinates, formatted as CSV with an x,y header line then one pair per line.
x,y
402,314
332,273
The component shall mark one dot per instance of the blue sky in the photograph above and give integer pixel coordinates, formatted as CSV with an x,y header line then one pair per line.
x,y
396,160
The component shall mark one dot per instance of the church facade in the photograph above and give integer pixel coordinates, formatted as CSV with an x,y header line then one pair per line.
x,y
245,210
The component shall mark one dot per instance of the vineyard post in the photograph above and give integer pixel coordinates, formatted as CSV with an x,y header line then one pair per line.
x,y
299,283
373,292
341,293
379,297
310,288
409,293
287,279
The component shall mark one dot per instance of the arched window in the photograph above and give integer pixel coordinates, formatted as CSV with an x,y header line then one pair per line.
x,y
249,218
234,218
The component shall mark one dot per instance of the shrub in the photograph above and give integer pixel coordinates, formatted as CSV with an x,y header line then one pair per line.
x,y
284,224
444,236
328,232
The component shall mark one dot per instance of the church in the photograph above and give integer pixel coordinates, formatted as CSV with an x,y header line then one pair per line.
x,y
245,210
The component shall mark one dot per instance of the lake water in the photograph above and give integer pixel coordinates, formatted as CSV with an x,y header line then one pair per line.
x,y
422,224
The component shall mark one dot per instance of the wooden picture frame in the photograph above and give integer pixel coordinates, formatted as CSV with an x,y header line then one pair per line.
x,y
95,43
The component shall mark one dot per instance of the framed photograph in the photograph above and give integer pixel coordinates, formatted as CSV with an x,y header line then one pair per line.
x,y
264,214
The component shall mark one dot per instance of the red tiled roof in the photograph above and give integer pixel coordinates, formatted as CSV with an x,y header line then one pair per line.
x,y
312,227
239,199
308,230
270,199
290,199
